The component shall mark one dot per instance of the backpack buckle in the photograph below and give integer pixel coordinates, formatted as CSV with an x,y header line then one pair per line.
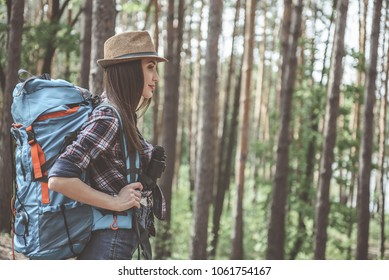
x,y
30,135
96,100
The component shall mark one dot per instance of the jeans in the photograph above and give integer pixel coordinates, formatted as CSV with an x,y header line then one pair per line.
x,y
110,244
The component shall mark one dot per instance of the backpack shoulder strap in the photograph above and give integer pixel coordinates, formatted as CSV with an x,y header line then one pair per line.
x,y
132,160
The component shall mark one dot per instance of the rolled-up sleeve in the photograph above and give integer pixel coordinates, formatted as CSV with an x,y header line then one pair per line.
x,y
97,135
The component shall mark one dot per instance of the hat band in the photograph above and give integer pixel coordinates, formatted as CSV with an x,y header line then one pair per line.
x,y
138,54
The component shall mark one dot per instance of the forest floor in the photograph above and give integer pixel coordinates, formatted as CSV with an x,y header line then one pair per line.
x,y
6,248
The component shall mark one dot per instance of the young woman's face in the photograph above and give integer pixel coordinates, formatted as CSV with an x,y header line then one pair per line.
x,y
150,75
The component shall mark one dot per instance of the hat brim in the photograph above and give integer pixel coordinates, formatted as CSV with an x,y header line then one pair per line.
x,y
113,61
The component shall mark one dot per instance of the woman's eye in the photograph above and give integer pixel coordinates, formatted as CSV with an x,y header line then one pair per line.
x,y
151,66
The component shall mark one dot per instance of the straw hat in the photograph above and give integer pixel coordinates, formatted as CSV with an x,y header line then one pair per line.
x,y
128,46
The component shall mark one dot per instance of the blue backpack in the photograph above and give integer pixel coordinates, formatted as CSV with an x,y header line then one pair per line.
x,y
47,115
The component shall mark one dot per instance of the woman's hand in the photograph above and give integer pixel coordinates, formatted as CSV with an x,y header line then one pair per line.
x,y
128,197
76,189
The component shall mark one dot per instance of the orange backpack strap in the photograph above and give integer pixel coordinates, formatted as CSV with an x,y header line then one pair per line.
x,y
38,159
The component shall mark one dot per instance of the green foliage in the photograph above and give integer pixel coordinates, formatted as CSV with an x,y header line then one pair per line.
x,y
255,221
130,7
262,149
303,234
359,59
36,38
34,42
181,223
341,221
341,216
353,93
68,40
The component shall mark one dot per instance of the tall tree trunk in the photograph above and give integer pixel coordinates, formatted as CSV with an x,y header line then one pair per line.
x,y
379,186
13,54
306,185
179,75
260,101
382,148
156,96
285,33
356,122
67,51
276,230
365,154
363,9
103,27
3,70
381,161
170,124
269,102
205,155
194,125
241,151
223,175
335,79
54,14
190,102
258,107
147,14
86,44
169,135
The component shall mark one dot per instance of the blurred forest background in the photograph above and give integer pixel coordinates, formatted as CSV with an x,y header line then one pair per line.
x,y
273,114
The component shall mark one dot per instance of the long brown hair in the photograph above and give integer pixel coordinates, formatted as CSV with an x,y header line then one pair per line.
x,y
124,86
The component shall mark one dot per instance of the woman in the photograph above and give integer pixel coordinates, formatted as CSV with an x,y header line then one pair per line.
x,y
130,77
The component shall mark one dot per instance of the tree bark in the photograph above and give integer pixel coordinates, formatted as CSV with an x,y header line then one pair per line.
x,y
103,27
271,80
381,160
285,33
258,107
205,156
260,101
242,148
223,175
382,151
365,154
310,162
335,79
6,152
356,120
156,96
276,230
177,66
358,105
194,126
86,44
54,14
170,124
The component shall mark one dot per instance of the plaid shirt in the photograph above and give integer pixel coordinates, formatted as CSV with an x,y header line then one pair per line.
x,y
97,148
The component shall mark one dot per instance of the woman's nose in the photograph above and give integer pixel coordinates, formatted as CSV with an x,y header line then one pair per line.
x,y
156,77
